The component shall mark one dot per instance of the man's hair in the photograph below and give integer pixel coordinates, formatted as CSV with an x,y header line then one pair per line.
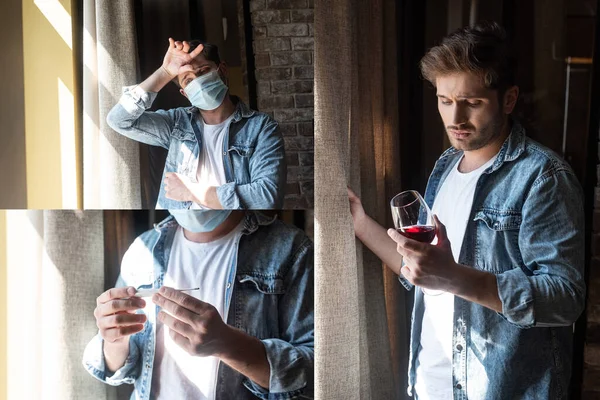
x,y
481,50
210,52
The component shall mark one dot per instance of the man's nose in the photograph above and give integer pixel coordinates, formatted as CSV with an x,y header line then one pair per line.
x,y
459,115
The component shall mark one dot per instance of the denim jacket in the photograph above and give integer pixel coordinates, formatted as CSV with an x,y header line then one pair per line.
x,y
253,149
269,296
526,226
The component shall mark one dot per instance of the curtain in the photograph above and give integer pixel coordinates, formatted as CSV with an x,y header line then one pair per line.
x,y
111,161
55,270
361,342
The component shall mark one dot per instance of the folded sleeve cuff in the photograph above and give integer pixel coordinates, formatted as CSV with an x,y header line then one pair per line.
x,y
516,295
135,99
93,362
288,378
228,197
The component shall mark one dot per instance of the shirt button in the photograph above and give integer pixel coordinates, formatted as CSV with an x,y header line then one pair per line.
x,y
458,347
224,153
458,386
228,285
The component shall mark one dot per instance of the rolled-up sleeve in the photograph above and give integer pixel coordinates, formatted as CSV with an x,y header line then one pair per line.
x,y
291,356
267,170
93,361
130,118
550,289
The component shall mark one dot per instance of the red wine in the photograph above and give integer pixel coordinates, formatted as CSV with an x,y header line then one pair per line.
x,y
421,233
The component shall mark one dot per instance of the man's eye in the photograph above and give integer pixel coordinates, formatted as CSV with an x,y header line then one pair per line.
x,y
446,102
474,103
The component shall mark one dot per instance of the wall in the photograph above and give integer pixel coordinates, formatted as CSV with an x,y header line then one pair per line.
x,y
283,43
53,169
12,134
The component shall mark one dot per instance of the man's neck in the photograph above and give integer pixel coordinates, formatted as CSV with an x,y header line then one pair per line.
x,y
226,226
476,158
219,114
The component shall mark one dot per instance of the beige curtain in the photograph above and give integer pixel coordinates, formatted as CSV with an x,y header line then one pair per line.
x,y
361,349
55,271
111,161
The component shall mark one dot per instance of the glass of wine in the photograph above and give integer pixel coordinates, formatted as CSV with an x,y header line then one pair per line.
x,y
413,219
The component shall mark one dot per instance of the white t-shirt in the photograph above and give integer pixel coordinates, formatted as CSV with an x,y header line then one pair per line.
x,y
177,374
211,170
452,205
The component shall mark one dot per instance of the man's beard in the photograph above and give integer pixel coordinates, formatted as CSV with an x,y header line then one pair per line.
x,y
478,138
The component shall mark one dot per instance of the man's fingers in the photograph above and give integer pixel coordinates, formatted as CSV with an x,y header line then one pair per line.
x,y
114,334
407,273
197,51
181,340
351,195
115,293
176,325
440,228
119,320
171,43
116,306
174,308
178,45
405,243
186,46
189,302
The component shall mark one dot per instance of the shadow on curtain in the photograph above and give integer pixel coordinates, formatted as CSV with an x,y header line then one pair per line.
x,y
111,161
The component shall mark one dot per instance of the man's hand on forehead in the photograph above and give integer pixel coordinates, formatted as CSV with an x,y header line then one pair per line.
x,y
178,59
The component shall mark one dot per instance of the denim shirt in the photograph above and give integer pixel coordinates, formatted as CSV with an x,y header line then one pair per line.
x,y
253,149
269,296
526,226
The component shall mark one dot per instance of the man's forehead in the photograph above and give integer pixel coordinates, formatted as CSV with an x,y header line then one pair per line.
x,y
200,60
462,84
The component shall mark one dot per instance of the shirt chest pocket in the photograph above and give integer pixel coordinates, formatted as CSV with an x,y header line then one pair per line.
x,y
240,156
497,240
183,151
257,304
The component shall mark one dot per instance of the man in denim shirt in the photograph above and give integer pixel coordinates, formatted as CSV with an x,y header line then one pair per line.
x,y
262,349
494,306
221,154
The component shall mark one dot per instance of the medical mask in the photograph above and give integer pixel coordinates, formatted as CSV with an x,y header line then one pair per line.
x,y
207,91
200,220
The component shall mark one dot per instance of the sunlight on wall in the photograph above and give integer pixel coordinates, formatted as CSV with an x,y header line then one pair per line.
x,y
60,19
47,41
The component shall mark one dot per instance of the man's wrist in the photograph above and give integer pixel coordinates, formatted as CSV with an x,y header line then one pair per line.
x,y
231,340
360,225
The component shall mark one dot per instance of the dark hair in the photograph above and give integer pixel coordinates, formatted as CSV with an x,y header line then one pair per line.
x,y
210,52
482,50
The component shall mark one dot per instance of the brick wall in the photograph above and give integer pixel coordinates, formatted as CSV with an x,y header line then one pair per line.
x,y
283,56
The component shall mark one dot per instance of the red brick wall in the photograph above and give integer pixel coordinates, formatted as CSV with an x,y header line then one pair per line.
x,y
283,55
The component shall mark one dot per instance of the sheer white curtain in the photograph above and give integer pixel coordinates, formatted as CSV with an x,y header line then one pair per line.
x,y
111,161
55,271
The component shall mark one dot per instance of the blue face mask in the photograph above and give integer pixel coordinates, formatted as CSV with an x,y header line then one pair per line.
x,y
200,220
207,91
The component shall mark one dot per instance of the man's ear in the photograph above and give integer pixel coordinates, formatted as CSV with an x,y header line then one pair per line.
x,y
510,99
182,92
223,72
